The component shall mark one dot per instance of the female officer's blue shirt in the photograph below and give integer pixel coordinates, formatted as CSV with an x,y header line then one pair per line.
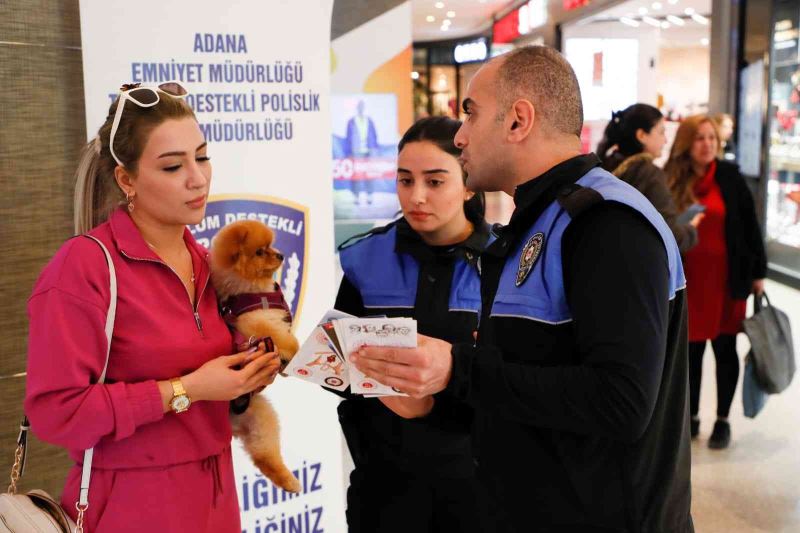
x,y
392,272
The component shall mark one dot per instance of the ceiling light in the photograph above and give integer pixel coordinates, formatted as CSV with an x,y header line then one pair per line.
x,y
446,22
652,21
430,18
672,2
664,25
783,25
676,20
657,5
629,21
415,75
700,19
689,11
643,11
439,5
704,41
451,14
444,27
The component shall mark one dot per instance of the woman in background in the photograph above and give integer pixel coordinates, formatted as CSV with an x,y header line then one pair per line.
x,y
724,268
632,140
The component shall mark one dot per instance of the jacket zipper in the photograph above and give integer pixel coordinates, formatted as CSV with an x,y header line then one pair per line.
x,y
479,268
196,315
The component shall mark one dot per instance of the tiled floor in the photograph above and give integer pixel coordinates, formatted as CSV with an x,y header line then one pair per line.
x,y
753,486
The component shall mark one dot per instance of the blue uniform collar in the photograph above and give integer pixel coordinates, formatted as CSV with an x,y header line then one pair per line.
x,y
534,196
408,241
548,184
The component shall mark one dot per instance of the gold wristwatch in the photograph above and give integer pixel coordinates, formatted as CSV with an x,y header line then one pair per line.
x,y
180,401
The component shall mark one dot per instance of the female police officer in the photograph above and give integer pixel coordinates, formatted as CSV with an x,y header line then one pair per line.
x,y
417,474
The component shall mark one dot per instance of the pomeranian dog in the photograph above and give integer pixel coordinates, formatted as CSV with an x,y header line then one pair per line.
x,y
243,263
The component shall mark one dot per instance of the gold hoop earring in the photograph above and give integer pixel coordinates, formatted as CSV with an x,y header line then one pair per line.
x,y
129,200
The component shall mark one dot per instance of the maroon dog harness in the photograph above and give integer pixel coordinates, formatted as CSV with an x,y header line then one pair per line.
x,y
243,303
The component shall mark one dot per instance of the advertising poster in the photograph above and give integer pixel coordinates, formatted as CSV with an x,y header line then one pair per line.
x,y
365,156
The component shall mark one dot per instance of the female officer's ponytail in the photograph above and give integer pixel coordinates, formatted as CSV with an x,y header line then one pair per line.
x,y
441,131
475,208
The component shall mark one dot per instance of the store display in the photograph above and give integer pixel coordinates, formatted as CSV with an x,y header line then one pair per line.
x,y
783,186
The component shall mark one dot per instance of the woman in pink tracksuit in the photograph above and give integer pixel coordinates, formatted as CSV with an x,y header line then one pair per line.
x,y
158,465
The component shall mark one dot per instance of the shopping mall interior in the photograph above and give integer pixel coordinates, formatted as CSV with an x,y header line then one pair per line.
x,y
303,105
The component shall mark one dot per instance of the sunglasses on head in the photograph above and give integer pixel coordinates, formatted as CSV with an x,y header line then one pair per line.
x,y
143,97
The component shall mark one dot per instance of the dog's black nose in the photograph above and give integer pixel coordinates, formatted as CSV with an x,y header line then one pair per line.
x,y
279,256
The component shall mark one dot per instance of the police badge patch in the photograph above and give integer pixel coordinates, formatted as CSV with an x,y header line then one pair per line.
x,y
530,253
287,219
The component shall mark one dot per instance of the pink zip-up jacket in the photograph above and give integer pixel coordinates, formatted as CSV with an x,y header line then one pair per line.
x,y
158,335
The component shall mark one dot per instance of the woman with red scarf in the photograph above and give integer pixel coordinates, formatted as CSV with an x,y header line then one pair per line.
x,y
728,263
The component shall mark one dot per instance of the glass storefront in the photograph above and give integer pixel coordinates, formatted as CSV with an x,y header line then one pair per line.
x,y
441,72
444,91
622,56
419,77
783,185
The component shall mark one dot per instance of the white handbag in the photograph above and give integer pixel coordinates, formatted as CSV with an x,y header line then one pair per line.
x,y
37,511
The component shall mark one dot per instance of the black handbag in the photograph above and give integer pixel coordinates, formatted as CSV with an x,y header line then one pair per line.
x,y
772,345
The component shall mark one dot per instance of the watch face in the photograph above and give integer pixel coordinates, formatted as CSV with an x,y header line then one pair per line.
x,y
180,403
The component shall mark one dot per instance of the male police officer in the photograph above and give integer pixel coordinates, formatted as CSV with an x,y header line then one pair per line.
x,y
579,373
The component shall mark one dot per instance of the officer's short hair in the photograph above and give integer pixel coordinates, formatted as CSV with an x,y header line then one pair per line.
x,y
542,75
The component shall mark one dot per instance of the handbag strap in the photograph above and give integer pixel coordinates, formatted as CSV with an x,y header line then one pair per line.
x,y
757,302
86,475
22,440
758,306
766,299
21,453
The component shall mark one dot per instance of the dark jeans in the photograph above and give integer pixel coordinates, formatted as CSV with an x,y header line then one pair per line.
x,y
727,372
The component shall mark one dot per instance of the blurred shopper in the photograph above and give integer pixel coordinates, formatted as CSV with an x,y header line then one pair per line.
x,y
159,424
632,140
728,263
417,475
725,125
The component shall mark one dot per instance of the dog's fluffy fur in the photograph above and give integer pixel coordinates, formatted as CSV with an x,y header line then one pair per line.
x,y
243,261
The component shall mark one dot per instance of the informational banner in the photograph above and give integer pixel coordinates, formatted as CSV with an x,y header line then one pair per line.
x,y
258,76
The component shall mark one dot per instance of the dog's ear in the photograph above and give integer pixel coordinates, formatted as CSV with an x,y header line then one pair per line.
x,y
270,237
228,244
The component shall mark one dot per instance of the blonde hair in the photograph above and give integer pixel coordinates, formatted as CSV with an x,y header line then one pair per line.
x,y
96,189
680,174
719,118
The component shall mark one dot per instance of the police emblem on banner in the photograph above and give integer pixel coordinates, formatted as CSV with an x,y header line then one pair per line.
x,y
530,253
287,219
